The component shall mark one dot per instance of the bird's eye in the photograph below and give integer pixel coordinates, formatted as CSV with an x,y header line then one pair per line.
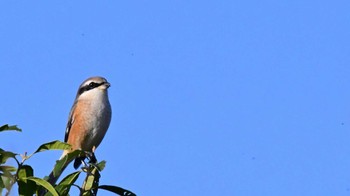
x,y
92,84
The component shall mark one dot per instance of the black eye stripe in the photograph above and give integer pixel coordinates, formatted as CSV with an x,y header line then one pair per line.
x,y
92,85
88,87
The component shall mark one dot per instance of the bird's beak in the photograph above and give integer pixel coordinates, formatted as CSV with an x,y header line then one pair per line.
x,y
107,84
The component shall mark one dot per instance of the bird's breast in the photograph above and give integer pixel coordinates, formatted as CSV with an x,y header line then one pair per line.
x,y
97,117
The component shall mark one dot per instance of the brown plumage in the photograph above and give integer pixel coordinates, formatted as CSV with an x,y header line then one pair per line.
x,y
88,120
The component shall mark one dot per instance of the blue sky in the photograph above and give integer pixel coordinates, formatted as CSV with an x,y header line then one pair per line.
x,y
208,97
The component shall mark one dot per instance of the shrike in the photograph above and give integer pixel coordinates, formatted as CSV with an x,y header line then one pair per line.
x,y
88,120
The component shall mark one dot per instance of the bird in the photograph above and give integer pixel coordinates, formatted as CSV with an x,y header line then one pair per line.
x,y
88,121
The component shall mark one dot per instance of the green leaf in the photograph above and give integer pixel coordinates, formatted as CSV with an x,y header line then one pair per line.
x,y
7,181
87,193
7,169
117,190
64,186
44,184
4,155
71,178
100,166
10,128
26,187
89,181
2,185
54,145
62,163
25,171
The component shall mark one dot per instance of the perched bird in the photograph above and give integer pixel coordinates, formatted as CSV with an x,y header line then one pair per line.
x,y
88,120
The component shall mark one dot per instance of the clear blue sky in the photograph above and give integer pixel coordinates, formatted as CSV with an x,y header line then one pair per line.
x,y
209,97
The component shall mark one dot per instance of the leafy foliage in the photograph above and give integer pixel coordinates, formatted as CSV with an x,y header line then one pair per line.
x,y
29,184
9,128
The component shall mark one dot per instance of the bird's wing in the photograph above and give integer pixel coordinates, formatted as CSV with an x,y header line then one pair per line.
x,y
70,122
